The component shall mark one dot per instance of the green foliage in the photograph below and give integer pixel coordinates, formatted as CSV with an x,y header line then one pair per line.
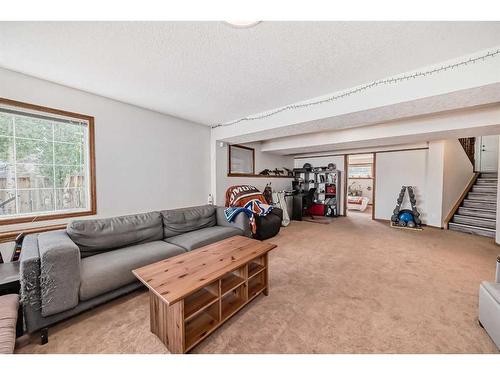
x,y
63,172
69,133
49,155
5,124
34,151
27,127
68,153
6,149
34,141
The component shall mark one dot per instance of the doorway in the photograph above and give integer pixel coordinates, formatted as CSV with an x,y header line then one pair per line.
x,y
486,153
361,185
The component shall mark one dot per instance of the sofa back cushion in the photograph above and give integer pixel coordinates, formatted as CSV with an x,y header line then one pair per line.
x,y
185,220
98,235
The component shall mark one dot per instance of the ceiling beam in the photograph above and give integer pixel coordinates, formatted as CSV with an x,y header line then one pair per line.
x,y
451,124
467,86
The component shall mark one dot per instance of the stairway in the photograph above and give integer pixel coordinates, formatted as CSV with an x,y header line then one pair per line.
x,y
478,211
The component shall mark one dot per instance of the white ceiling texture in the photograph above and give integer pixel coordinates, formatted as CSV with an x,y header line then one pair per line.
x,y
210,72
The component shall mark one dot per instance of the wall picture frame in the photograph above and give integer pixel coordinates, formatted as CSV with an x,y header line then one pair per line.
x,y
241,160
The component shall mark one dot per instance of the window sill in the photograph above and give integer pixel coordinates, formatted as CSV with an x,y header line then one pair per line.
x,y
11,236
55,216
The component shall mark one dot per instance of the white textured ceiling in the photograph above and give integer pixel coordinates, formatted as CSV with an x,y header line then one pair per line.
x,y
209,72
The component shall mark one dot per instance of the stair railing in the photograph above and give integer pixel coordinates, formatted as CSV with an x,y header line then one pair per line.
x,y
468,145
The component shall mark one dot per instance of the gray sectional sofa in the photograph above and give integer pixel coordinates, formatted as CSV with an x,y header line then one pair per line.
x,y
66,272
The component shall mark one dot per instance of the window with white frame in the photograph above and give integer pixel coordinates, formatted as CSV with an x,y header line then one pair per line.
x,y
360,171
45,164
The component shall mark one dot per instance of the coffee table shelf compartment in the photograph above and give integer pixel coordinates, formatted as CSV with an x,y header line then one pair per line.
x,y
200,300
257,284
232,280
254,269
256,265
233,301
201,325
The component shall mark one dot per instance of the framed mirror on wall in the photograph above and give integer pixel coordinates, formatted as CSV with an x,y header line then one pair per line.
x,y
241,160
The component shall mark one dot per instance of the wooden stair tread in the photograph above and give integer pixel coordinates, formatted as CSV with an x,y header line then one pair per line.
x,y
479,209
479,222
482,197
478,201
472,229
474,217
476,213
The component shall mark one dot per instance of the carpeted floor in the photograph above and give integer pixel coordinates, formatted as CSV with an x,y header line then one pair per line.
x,y
353,286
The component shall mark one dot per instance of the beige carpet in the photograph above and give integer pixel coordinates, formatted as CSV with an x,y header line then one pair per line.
x,y
353,286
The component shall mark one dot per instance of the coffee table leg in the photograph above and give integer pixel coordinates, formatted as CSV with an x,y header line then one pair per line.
x,y
167,322
266,264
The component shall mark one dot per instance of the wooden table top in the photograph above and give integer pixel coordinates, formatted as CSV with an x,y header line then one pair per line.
x,y
174,278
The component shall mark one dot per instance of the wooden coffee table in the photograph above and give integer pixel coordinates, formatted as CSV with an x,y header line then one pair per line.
x,y
194,293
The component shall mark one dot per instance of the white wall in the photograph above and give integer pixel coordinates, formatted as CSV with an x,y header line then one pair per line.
x,y
395,169
434,184
263,160
360,159
457,173
144,160
323,161
440,174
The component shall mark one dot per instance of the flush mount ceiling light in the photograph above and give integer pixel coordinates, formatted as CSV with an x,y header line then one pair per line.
x,y
242,24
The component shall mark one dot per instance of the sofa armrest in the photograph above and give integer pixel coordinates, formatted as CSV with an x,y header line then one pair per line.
x,y
241,221
59,272
29,269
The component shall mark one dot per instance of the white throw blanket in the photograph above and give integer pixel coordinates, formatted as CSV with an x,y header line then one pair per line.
x,y
280,202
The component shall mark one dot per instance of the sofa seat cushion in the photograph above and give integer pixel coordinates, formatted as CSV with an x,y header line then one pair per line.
x,y
185,220
98,235
113,269
9,305
202,237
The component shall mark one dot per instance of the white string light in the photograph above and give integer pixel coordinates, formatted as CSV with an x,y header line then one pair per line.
x,y
367,86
